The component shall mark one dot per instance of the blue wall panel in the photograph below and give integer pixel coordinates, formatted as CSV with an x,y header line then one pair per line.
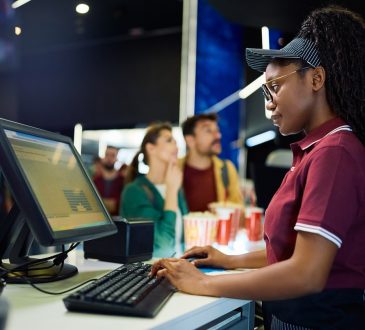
x,y
219,71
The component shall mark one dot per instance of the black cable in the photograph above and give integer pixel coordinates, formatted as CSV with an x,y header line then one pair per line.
x,y
59,259
60,292
27,279
60,256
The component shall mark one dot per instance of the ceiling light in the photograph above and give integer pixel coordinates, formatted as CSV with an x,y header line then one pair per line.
x,y
78,137
265,36
252,87
18,3
260,138
18,30
82,8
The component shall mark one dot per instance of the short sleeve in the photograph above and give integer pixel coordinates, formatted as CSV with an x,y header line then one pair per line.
x,y
330,202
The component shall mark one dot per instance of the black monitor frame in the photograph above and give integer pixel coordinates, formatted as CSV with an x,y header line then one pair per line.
x,y
27,219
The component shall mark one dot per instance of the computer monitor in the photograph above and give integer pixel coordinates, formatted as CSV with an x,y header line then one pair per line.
x,y
55,200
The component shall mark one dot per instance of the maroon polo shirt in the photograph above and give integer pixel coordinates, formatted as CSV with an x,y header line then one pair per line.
x,y
323,193
199,188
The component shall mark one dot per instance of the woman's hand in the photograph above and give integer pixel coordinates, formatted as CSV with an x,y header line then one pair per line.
x,y
173,180
208,256
182,274
173,177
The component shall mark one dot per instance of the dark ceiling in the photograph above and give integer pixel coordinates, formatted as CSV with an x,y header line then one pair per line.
x,y
47,23
50,23
74,67
285,15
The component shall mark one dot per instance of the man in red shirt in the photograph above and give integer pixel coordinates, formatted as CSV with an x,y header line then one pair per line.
x,y
109,181
207,178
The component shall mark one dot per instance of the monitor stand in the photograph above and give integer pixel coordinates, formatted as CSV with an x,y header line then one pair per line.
x,y
15,242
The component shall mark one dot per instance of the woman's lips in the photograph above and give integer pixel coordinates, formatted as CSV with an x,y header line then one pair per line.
x,y
275,119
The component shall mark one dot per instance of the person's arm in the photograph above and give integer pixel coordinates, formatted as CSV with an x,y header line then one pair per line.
x,y
255,259
304,273
173,181
209,256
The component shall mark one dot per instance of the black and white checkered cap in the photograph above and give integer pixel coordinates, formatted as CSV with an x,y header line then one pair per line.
x,y
300,48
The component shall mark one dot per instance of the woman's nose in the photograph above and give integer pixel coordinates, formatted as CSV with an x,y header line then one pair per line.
x,y
270,105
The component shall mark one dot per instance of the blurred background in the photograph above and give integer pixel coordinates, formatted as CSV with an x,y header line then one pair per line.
x,y
100,71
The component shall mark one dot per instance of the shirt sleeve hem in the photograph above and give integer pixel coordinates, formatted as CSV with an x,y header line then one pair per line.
x,y
320,231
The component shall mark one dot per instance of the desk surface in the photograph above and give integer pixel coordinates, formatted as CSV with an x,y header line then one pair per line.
x,y
32,309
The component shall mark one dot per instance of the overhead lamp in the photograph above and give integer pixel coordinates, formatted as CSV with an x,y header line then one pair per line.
x,y
260,138
18,3
78,137
18,30
82,8
252,87
265,37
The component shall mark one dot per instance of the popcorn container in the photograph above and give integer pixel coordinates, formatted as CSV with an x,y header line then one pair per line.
x,y
200,228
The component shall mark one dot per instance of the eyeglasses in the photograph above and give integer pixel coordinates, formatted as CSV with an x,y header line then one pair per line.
x,y
266,90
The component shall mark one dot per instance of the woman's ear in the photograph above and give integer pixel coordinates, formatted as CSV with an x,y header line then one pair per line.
x,y
150,147
318,78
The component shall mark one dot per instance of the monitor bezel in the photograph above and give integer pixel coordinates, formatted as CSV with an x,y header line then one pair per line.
x,y
25,198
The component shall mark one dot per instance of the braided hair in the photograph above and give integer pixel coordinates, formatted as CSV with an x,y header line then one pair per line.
x,y
339,35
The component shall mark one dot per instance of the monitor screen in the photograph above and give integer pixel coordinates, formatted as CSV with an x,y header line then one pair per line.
x,y
50,186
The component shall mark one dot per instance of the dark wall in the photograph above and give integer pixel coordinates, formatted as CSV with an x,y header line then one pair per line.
x,y
107,85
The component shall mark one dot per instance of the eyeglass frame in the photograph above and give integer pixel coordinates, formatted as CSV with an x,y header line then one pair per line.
x,y
265,89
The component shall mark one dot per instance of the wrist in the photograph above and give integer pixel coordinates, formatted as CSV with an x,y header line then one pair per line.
x,y
171,189
230,262
207,286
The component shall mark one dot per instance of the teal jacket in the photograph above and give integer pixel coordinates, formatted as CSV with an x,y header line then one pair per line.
x,y
141,199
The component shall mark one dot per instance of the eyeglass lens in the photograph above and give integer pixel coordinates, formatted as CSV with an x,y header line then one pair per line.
x,y
266,93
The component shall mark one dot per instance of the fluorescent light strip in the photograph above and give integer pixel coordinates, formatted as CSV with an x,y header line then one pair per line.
x,y
265,36
18,3
260,138
78,137
252,87
223,103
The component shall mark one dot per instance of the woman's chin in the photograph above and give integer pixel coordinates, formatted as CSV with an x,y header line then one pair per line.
x,y
283,131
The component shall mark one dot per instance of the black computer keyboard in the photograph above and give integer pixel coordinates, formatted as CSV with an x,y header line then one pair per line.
x,y
127,290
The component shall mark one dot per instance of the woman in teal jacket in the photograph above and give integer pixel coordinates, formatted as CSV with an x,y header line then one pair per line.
x,y
157,195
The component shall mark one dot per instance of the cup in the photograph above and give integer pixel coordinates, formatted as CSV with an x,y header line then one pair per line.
x,y
254,224
224,225
200,228
229,215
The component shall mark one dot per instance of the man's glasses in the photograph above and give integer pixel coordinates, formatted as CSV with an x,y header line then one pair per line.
x,y
265,89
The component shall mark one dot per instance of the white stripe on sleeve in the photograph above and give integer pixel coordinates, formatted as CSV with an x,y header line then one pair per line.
x,y
320,231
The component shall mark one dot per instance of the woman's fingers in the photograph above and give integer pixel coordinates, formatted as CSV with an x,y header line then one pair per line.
x,y
197,251
160,264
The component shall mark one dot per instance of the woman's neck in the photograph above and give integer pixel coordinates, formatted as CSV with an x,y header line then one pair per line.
x,y
156,173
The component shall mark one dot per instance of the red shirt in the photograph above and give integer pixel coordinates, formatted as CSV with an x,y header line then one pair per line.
x,y
110,189
323,193
199,188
